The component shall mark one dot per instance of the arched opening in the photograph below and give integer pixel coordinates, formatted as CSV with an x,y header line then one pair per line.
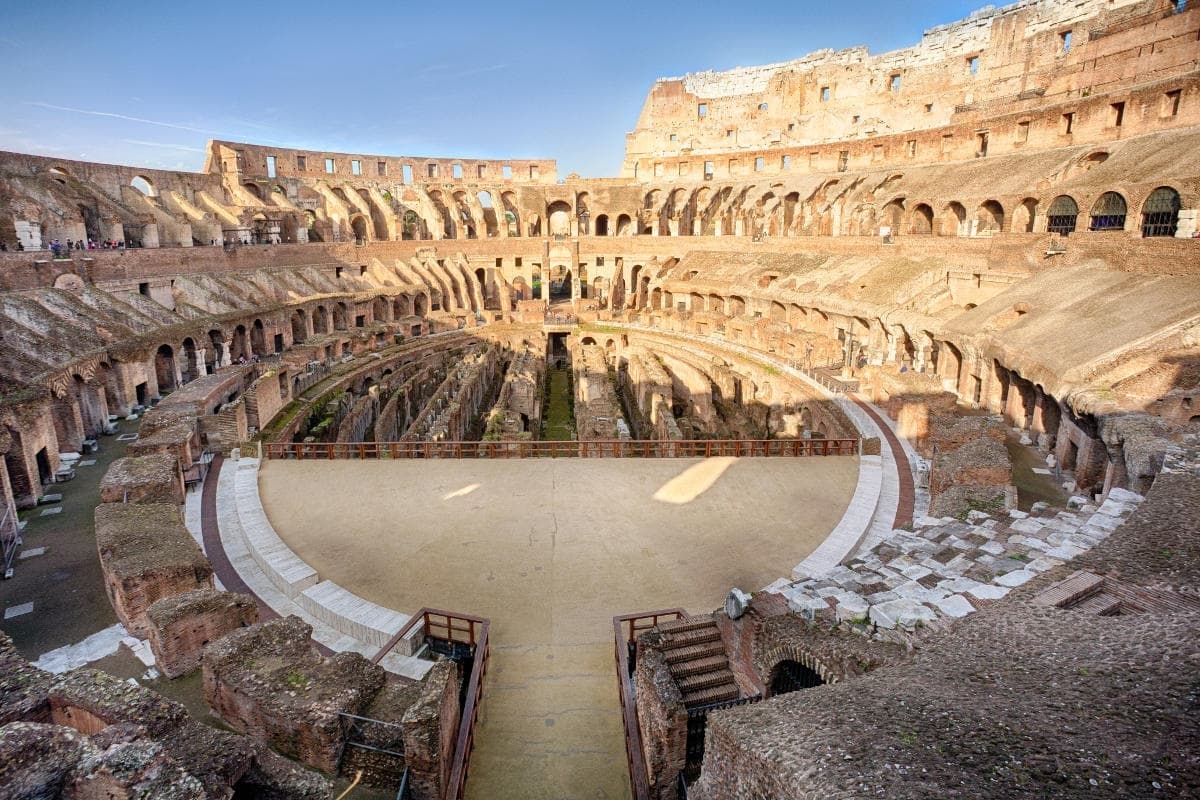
x,y
299,325
601,225
1108,213
954,219
91,223
1024,215
1061,216
633,279
490,222
1160,213
989,218
358,224
321,320
253,190
310,221
341,317
792,676
559,214
192,368
421,305
921,223
164,368
485,290
144,186
624,225
217,340
239,345
735,306
512,220
258,338
893,214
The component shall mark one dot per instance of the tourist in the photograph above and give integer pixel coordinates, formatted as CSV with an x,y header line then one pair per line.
x,y
20,246
3,246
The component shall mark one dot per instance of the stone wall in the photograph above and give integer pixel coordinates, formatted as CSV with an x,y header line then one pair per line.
x,y
662,719
143,479
269,681
181,626
146,554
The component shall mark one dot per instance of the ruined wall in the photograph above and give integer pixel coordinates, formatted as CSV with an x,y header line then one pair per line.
x,y
143,479
662,719
146,554
1014,63
180,626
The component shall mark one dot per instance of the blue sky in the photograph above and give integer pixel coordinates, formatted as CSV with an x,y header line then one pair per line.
x,y
149,83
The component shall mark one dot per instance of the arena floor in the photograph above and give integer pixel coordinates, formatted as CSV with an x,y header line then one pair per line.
x,y
551,550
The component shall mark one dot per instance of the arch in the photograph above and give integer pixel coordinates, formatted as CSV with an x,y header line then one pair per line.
x,y
559,215
59,173
192,368
920,222
258,338
1062,215
790,675
735,305
253,189
893,214
144,185
601,225
989,217
217,339
1108,213
320,321
1160,212
512,219
1024,215
624,225
953,219
165,368
299,325
358,223
490,221
421,304
341,317
310,222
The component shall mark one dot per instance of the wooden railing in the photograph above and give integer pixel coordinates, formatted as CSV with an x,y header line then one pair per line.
x,y
653,448
626,629
461,629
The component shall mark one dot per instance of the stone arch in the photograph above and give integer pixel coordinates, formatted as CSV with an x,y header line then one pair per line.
x,y
358,224
1160,212
258,338
953,219
625,225
989,217
253,190
217,339
165,367
1062,215
299,325
920,221
1023,215
490,221
341,317
1108,213
767,663
559,215
144,185
600,224
192,368
512,218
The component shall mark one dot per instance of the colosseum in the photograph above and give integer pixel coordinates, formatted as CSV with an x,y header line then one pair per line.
x,y
845,445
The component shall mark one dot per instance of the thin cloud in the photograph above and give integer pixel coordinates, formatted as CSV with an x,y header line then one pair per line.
x,y
111,115
166,145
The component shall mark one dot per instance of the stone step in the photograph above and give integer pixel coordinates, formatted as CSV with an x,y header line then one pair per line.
x,y
1102,605
686,624
705,680
710,695
1077,587
687,638
695,666
694,652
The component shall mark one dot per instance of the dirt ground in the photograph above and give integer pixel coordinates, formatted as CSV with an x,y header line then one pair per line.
x,y
550,550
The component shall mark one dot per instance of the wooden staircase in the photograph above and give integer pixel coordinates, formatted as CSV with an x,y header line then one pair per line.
x,y
696,657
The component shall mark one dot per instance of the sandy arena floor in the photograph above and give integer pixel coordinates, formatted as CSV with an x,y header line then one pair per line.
x,y
551,550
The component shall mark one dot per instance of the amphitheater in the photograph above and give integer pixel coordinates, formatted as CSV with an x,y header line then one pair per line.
x,y
846,445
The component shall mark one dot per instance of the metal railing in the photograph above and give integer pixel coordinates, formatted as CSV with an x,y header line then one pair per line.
x,y
467,631
650,448
626,629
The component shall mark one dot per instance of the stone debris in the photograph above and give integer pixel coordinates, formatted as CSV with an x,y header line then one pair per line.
x,y
945,568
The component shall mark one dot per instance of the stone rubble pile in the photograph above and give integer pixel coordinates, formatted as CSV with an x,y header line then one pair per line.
x,y
946,567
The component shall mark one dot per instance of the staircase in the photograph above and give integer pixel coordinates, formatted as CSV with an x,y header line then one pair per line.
x,y
696,657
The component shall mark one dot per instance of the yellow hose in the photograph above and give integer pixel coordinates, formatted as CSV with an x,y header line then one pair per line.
x,y
353,783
